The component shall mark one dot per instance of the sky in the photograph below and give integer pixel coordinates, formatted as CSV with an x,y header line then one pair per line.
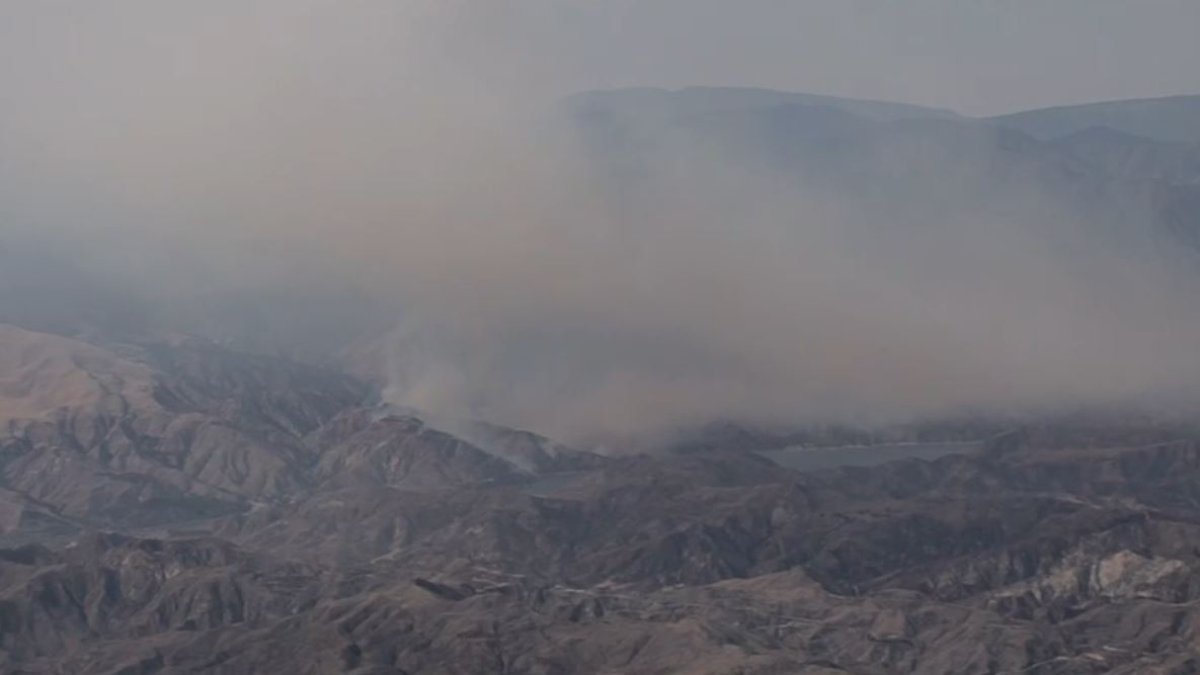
x,y
975,56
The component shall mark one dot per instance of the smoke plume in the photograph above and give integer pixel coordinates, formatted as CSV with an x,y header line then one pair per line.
x,y
412,156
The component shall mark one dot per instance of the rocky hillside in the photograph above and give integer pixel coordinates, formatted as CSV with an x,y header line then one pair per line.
x,y
157,434
179,508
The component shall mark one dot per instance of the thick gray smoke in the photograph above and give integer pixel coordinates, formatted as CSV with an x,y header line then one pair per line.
x,y
307,151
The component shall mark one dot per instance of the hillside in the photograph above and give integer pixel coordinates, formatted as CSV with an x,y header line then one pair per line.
x,y
1174,119
257,515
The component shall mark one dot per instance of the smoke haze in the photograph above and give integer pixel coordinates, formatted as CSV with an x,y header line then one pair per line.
x,y
402,171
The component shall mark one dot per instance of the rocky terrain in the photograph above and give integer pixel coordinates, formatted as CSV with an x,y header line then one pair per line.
x,y
172,500
181,508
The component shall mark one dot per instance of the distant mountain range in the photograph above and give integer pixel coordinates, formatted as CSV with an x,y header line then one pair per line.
x,y
665,103
1172,119
1129,167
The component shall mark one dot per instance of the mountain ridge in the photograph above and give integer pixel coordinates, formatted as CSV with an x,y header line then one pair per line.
x,y
1164,118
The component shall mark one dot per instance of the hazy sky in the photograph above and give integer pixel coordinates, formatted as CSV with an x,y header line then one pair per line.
x,y
976,56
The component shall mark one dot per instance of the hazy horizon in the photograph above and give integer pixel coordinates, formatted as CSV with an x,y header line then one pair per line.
x,y
980,58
